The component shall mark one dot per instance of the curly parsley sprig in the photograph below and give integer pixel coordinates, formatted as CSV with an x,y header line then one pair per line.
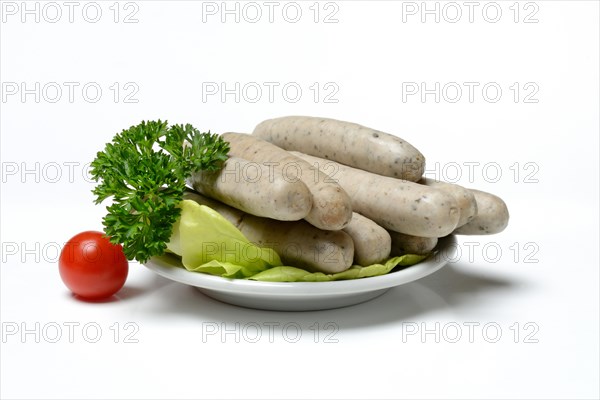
x,y
144,170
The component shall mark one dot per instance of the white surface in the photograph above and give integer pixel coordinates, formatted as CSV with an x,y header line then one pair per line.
x,y
189,346
302,296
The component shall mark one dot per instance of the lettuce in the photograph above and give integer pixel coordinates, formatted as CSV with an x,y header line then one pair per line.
x,y
293,274
208,243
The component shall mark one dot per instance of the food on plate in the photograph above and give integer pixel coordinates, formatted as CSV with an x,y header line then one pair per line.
x,y
347,143
395,204
91,266
297,243
464,198
269,213
144,170
372,243
208,243
331,205
492,215
408,244
256,188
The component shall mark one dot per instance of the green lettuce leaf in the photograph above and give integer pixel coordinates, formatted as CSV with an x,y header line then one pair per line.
x,y
293,274
208,243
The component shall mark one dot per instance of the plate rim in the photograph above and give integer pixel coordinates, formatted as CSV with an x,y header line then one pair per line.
x,y
298,289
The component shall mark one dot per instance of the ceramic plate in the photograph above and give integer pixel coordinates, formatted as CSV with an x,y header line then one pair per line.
x,y
302,296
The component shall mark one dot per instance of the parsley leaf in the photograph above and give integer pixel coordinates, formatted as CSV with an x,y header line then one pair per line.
x,y
144,170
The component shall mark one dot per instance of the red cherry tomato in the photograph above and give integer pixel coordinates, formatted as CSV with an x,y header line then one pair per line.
x,y
91,266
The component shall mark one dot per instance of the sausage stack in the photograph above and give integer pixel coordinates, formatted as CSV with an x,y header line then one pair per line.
x,y
328,194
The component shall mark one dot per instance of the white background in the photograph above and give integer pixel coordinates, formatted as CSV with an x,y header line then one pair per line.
x,y
546,275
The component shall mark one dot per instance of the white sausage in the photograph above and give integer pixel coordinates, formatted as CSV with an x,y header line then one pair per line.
x,y
255,189
372,243
331,205
464,197
394,204
492,215
347,143
407,244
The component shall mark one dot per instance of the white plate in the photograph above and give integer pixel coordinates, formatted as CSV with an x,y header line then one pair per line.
x,y
302,296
